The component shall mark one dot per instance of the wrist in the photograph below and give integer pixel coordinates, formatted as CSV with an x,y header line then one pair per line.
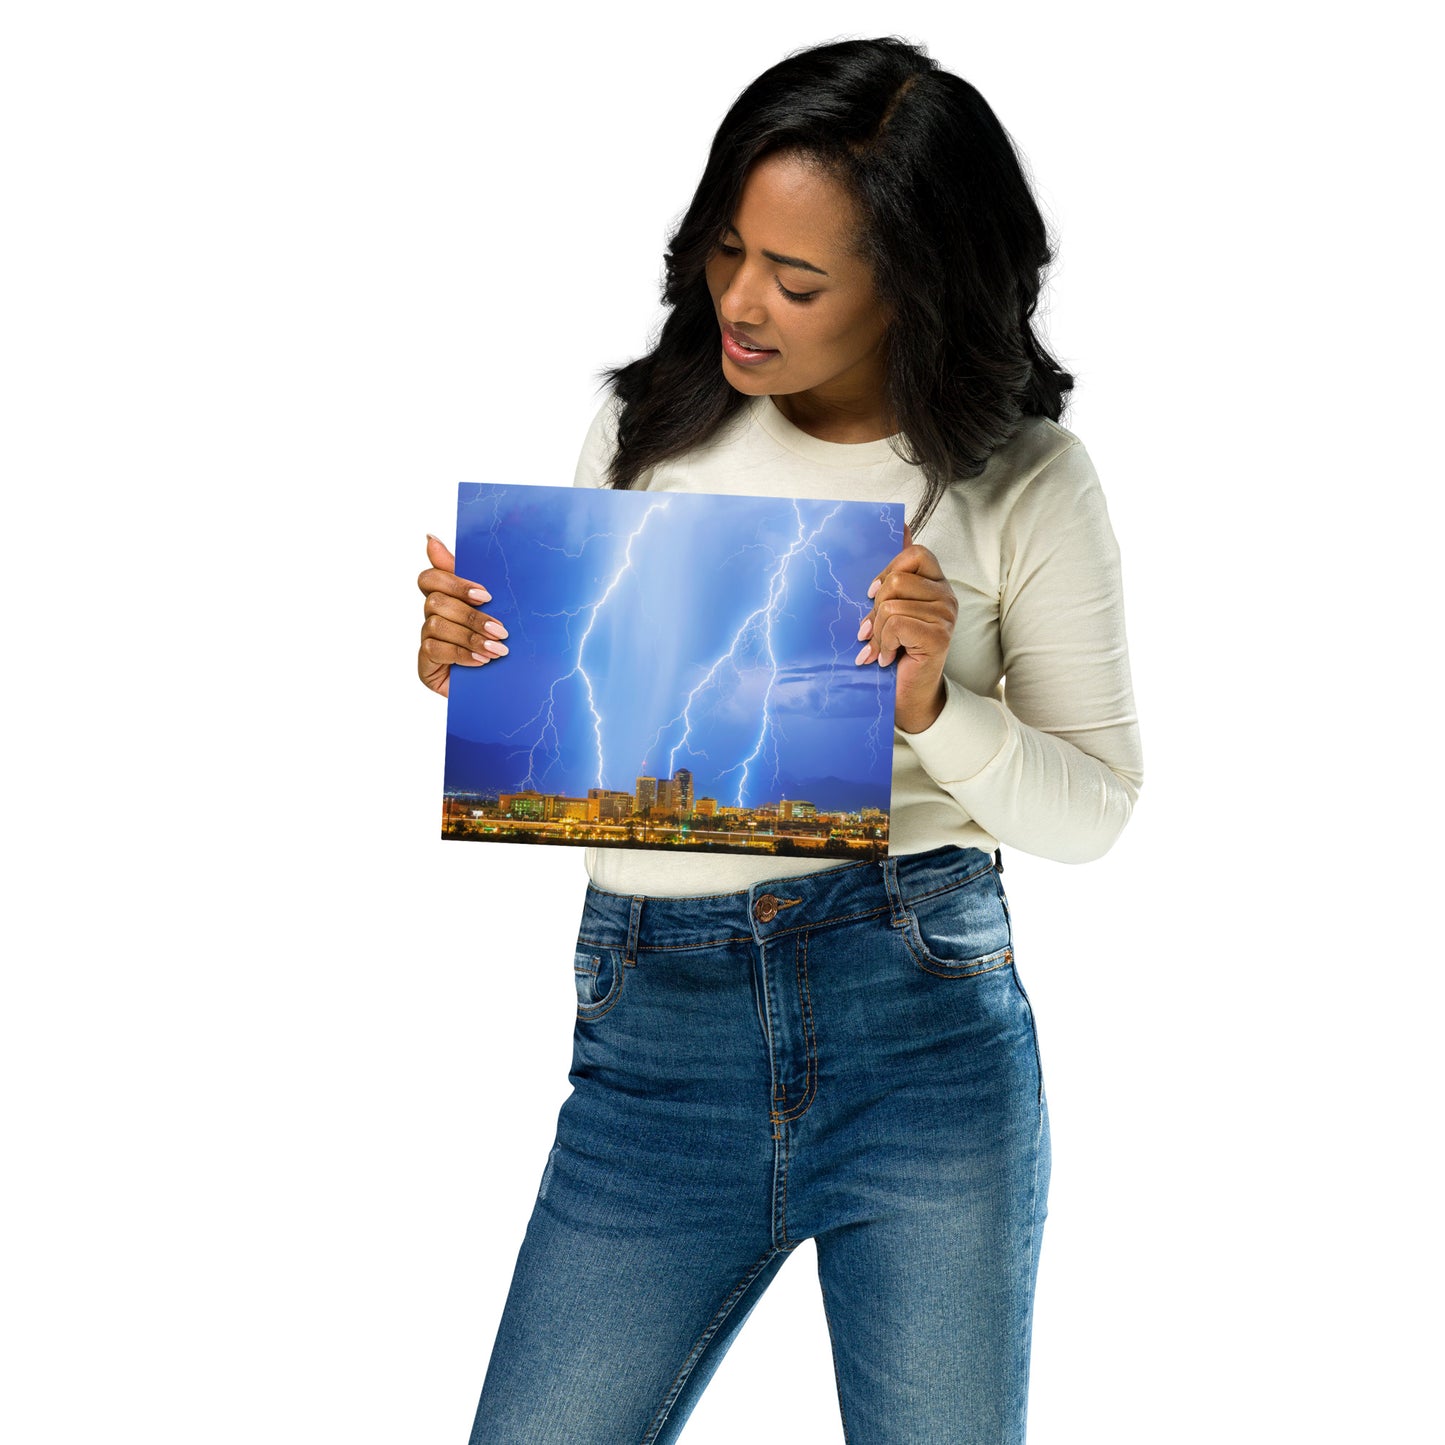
x,y
920,717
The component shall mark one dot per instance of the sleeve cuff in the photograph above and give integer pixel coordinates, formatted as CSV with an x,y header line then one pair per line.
x,y
963,739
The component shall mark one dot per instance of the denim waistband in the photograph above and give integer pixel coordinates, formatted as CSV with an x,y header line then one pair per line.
x,y
776,906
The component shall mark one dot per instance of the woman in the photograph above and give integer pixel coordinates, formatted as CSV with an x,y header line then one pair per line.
x,y
767,1052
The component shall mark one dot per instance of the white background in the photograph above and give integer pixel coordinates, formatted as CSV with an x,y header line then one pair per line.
x,y
280,1069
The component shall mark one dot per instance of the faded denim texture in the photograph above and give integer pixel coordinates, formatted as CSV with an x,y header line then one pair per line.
x,y
846,1056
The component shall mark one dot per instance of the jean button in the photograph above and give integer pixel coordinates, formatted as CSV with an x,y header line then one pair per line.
x,y
766,908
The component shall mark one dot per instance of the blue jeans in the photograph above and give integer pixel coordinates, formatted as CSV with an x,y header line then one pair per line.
x,y
846,1056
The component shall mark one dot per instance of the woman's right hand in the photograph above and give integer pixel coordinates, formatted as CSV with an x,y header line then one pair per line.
x,y
454,630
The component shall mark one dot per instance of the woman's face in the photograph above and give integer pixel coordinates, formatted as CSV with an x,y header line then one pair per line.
x,y
784,279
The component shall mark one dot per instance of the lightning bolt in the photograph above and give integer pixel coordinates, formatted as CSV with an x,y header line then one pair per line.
x,y
776,592
759,624
895,532
547,711
591,537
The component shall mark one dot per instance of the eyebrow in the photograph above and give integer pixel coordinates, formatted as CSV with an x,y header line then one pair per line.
x,y
800,264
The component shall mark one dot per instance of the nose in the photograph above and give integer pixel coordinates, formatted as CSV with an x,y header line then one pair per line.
x,y
741,302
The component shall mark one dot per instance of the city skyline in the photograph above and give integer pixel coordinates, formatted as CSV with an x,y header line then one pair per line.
x,y
662,813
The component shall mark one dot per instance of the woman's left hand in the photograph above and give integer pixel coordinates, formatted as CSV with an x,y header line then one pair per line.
x,y
914,610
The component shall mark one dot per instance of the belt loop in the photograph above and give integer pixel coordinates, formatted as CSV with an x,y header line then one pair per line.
x,y
633,928
897,917
998,859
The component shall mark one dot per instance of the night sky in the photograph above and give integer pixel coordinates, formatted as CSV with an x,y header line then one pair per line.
x,y
720,600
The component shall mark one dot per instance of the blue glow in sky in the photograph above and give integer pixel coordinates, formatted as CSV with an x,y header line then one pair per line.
x,y
651,631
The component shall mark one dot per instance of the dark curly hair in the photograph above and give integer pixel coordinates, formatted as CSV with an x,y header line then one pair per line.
x,y
950,228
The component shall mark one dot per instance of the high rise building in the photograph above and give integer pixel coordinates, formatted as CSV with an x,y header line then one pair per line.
x,y
646,794
683,780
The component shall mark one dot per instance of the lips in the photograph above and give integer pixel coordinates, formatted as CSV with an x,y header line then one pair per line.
x,y
743,339
741,350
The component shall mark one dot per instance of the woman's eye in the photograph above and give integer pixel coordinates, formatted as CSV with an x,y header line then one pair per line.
x,y
726,250
796,295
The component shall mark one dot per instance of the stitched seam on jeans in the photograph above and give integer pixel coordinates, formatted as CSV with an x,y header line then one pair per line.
x,y
949,887
965,968
805,1005
667,947
586,1013
690,1363
1023,1342
766,990
828,922
778,1212
706,943
783,1203
1033,1034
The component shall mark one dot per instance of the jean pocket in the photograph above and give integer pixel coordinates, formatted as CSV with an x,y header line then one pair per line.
x,y
599,973
961,930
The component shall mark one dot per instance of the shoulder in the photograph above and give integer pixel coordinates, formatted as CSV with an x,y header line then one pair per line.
x,y
1055,510
1039,471
1042,474
1041,455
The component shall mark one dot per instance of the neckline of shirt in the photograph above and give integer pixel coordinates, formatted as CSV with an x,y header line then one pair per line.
x,y
831,454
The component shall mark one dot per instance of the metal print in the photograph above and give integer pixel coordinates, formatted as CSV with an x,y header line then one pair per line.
x,y
680,673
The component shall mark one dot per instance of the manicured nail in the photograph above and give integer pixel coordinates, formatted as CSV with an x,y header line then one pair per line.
x,y
495,629
497,649
866,630
481,657
873,590
479,594
862,654
432,537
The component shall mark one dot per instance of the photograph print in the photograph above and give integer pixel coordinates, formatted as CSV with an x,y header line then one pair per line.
x,y
679,673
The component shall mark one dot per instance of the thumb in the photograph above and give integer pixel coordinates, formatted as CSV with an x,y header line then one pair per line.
x,y
907,535
437,554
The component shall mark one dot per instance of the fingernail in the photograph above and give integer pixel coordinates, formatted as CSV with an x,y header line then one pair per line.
x,y
495,629
866,630
862,655
873,590
432,537
481,657
479,594
497,649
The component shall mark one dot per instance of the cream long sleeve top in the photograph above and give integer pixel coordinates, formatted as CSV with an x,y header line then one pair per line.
x,y
1037,746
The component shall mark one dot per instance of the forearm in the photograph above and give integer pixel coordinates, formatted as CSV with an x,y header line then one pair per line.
x,y
1029,788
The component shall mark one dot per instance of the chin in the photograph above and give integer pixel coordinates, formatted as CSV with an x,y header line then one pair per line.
x,y
745,382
